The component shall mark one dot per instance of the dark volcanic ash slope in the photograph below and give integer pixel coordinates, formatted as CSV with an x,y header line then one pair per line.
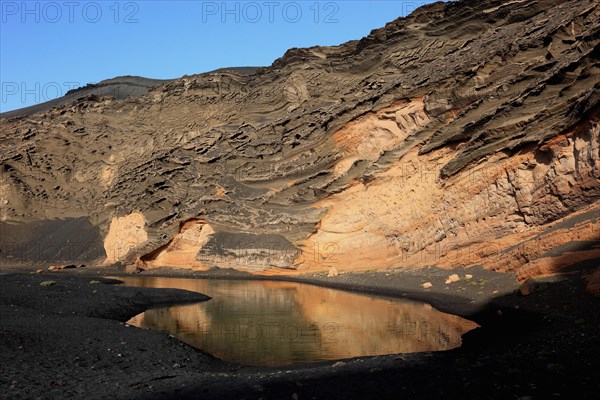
x,y
466,133
121,87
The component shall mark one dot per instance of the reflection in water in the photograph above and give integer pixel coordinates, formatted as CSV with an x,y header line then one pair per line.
x,y
279,323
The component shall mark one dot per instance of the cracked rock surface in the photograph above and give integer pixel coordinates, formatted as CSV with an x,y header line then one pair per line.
x,y
464,134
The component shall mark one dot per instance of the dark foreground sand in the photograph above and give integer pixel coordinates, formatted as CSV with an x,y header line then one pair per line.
x,y
69,340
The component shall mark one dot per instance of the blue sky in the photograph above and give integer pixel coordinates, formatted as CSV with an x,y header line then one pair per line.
x,y
48,47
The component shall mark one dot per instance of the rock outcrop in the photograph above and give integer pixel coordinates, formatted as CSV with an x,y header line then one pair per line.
x,y
467,133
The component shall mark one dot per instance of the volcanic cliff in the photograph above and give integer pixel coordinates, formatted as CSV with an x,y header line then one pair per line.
x,y
467,133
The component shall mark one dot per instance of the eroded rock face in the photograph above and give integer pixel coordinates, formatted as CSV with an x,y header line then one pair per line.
x,y
510,213
248,251
124,235
464,134
182,250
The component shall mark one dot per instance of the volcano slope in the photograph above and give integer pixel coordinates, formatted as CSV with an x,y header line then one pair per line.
x,y
464,134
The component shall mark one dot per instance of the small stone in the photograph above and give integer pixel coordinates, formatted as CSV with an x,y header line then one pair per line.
x,y
332,272
467,276
39,271
427,285
556,368
295,396
176,365
452,278
528,287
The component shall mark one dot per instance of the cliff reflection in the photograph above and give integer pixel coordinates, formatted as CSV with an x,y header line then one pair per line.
x,y
278,323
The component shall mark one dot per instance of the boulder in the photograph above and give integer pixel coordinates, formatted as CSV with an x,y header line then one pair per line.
x,y
133,269
528,287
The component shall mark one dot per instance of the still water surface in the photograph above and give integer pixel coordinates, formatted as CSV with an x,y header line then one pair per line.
x,y
279,323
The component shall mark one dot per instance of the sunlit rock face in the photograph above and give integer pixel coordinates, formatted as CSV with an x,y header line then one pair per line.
x,y
181,251
465,134
511,214
124,235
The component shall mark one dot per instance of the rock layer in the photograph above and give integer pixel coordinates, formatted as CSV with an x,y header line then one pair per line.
x,y
464,134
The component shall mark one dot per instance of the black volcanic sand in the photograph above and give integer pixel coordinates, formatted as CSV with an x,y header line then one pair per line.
x,y
69,340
